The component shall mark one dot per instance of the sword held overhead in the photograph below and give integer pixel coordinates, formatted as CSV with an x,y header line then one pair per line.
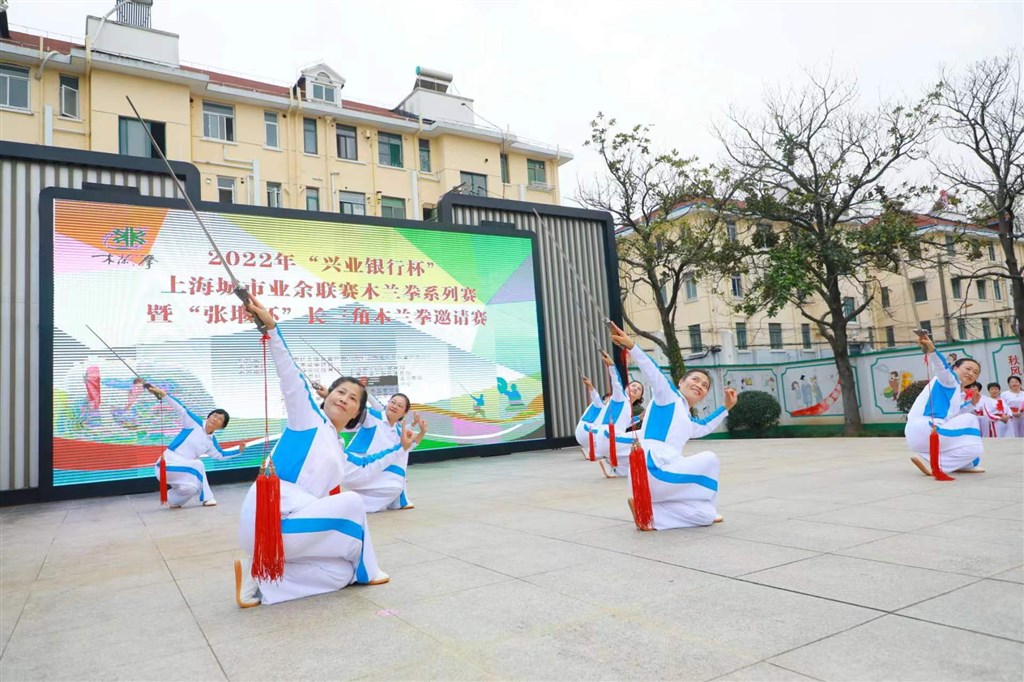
x,y
239,290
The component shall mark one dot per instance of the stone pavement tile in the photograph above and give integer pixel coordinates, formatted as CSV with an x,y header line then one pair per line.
x,y
89,652
423,580
872,584
971,487
114,574
606,647
818,537
723,555
494,612
1013,512
626,539
940,504
736,522
331,647
1015,575
221,621
991,607
897,648
194,541
610,505
208,564
548,522
999,531
92,607
11,604
755,621
527,555
399,553
448,535
197,664
623,582
443,663
971,557
763,672
786,509
880,518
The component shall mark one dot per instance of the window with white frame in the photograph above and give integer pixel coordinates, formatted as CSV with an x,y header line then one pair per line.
x,y
730,232
13,87
352,203
741,335
982,290
309,136
389,149
312,199
274,194
536,172
425,155
225,190
346,138
132,139
890,336
689,287
272,128
696,342
955,286
775,335
736,282
997,289
961,328
69,96
991,251
392,207
986,328
218,121
805,335
323,92
475,183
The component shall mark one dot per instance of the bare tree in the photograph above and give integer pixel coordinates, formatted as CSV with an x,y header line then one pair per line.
x,y
646,191
816,166
981,110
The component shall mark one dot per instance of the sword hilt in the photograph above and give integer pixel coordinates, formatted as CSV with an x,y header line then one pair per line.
x,y
243,293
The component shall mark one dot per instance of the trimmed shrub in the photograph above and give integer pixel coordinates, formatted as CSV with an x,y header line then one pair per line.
x,y
907,396
755,411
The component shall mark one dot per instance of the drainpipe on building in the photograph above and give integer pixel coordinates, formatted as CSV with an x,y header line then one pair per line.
x,y
946,327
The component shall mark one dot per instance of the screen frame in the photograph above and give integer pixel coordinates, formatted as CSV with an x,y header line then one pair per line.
x,y
50,195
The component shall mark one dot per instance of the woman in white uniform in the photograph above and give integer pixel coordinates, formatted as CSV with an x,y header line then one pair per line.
x,y
943,405
327,543
684,490
619,415
1013,399
584,427
186,474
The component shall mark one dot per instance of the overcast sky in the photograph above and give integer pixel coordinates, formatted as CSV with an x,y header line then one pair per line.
x,y
545,68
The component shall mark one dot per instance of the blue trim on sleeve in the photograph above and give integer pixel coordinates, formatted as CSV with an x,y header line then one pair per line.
x,y
713,415
361,442
179,439
395,469
370,459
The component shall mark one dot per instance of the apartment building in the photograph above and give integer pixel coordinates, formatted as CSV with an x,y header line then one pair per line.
x,y
942,296
302,145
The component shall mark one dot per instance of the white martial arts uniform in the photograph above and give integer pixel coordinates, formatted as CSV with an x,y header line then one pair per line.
x,y
326,538
186,474
1014,427
587,420
684,490
942,403
376,464
988,411
618,412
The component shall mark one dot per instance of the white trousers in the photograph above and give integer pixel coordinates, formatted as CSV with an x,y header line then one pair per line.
x,y
684,492
381,485
960,444
185,479
327,543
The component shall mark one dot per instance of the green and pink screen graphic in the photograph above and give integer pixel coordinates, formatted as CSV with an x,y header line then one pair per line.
x,y
448,317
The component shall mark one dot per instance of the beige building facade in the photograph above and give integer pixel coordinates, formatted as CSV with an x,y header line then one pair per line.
x,y
943,297
300,146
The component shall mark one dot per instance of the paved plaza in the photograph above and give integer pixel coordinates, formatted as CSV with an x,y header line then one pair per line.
x,y
837,560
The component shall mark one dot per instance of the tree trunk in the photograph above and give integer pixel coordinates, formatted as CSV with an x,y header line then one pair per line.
x,y
1006,228
852,425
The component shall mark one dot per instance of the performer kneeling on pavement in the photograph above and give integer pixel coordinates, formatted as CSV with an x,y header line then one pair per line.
x,y
327,543
944,405
186,475
616,415
684,490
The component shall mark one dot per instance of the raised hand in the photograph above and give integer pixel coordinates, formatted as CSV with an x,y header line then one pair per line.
x,y
408,437
588,383
320,390
422,424
159,393
730,398
241,448
607,359
925,341
619,337
256,310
